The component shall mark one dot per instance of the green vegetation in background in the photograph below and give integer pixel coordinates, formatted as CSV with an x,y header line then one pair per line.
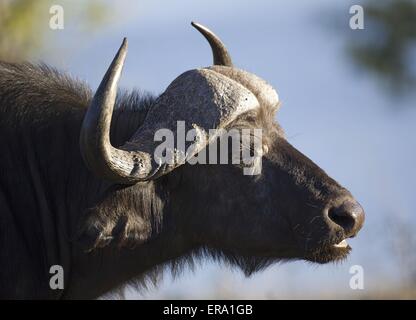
x,y
22,22
387,45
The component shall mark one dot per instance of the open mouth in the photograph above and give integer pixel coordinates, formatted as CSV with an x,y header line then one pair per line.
x,y
342,244
330,253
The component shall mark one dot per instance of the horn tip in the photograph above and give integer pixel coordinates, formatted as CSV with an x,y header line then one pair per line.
x,y
123,50
197,26
221,56
124,43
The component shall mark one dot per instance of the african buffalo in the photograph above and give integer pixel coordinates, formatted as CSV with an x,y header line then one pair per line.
x,y
80,186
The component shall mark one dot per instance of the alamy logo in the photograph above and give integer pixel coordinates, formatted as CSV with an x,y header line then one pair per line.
x,y
198,147
357,18
357,278
56,22
57,279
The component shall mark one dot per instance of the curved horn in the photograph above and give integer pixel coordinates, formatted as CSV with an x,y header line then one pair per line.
x,y
219,51
198,99
100,156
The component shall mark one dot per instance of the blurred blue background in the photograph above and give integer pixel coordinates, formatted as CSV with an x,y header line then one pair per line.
x,y
341,115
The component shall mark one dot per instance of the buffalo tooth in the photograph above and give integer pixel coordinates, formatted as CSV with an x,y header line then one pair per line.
x,y
342,244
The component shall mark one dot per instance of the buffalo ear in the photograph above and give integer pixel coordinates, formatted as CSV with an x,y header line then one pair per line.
x,y
120,218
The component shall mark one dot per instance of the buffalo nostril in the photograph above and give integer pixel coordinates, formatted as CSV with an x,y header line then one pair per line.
x,y
349,215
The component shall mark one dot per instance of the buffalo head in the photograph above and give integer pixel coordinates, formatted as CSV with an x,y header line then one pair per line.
x,y
290,209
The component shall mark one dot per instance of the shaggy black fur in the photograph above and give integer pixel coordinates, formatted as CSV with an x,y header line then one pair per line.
x,y
128,232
